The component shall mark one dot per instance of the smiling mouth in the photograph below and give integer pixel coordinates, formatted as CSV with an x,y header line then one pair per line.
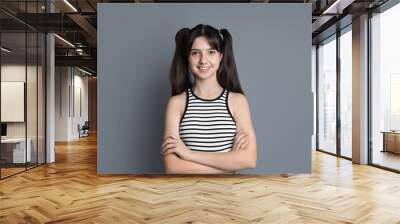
x,y
203,68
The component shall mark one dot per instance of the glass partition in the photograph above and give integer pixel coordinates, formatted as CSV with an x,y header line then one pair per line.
x,y
41,88
22,77
14,153
31,100
327,95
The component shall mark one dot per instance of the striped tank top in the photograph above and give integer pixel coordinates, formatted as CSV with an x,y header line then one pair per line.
x,y
207,124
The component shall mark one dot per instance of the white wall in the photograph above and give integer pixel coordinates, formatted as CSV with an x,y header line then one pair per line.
x,y
33,126
62,80
71,93
14,73
17,73
79,112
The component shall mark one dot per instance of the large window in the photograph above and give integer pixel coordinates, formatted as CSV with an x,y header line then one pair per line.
x,y
327,95
334,58
346,92
385,88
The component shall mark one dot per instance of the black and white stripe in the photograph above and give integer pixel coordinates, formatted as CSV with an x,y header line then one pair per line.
x,y
207,125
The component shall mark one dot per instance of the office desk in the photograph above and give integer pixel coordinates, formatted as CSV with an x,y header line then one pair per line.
x,y
15,148
391,141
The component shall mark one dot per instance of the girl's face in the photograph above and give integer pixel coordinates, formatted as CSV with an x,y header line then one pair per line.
x,y
203,60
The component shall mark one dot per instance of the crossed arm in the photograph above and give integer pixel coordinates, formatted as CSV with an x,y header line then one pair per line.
x,y
176,165
209,162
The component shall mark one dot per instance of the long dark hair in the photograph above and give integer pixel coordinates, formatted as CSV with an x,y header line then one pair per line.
x,y
220,40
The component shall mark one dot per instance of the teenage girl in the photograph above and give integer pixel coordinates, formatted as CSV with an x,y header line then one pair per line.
x,y
208,127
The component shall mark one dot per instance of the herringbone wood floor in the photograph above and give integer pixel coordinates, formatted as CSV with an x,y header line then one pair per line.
x,y
70,191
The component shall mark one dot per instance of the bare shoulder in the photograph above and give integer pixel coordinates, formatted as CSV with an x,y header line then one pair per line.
x,y
240,110
174,110
177,102
237,100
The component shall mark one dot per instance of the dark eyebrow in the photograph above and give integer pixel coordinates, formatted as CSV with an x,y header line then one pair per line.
x,y
195,49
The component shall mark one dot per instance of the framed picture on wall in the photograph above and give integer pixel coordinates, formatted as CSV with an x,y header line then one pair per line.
x,y
12,101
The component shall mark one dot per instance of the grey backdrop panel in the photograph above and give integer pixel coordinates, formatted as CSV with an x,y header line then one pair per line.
x,y
272,46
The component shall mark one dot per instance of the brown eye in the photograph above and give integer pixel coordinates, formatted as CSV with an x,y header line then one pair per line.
x,y
194,53
212,52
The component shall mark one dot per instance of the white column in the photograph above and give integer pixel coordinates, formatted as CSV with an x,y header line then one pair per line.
x,y
360,90
50,91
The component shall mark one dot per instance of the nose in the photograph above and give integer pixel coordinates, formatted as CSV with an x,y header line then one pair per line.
x,y
203,58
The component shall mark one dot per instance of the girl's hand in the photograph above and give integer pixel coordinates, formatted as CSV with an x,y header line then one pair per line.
x,y
241,141
172,144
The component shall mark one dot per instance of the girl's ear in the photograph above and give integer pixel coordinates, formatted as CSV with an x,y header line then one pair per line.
x,y
220,57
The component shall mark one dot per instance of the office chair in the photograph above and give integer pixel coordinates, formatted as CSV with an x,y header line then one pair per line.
x,y
84,130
